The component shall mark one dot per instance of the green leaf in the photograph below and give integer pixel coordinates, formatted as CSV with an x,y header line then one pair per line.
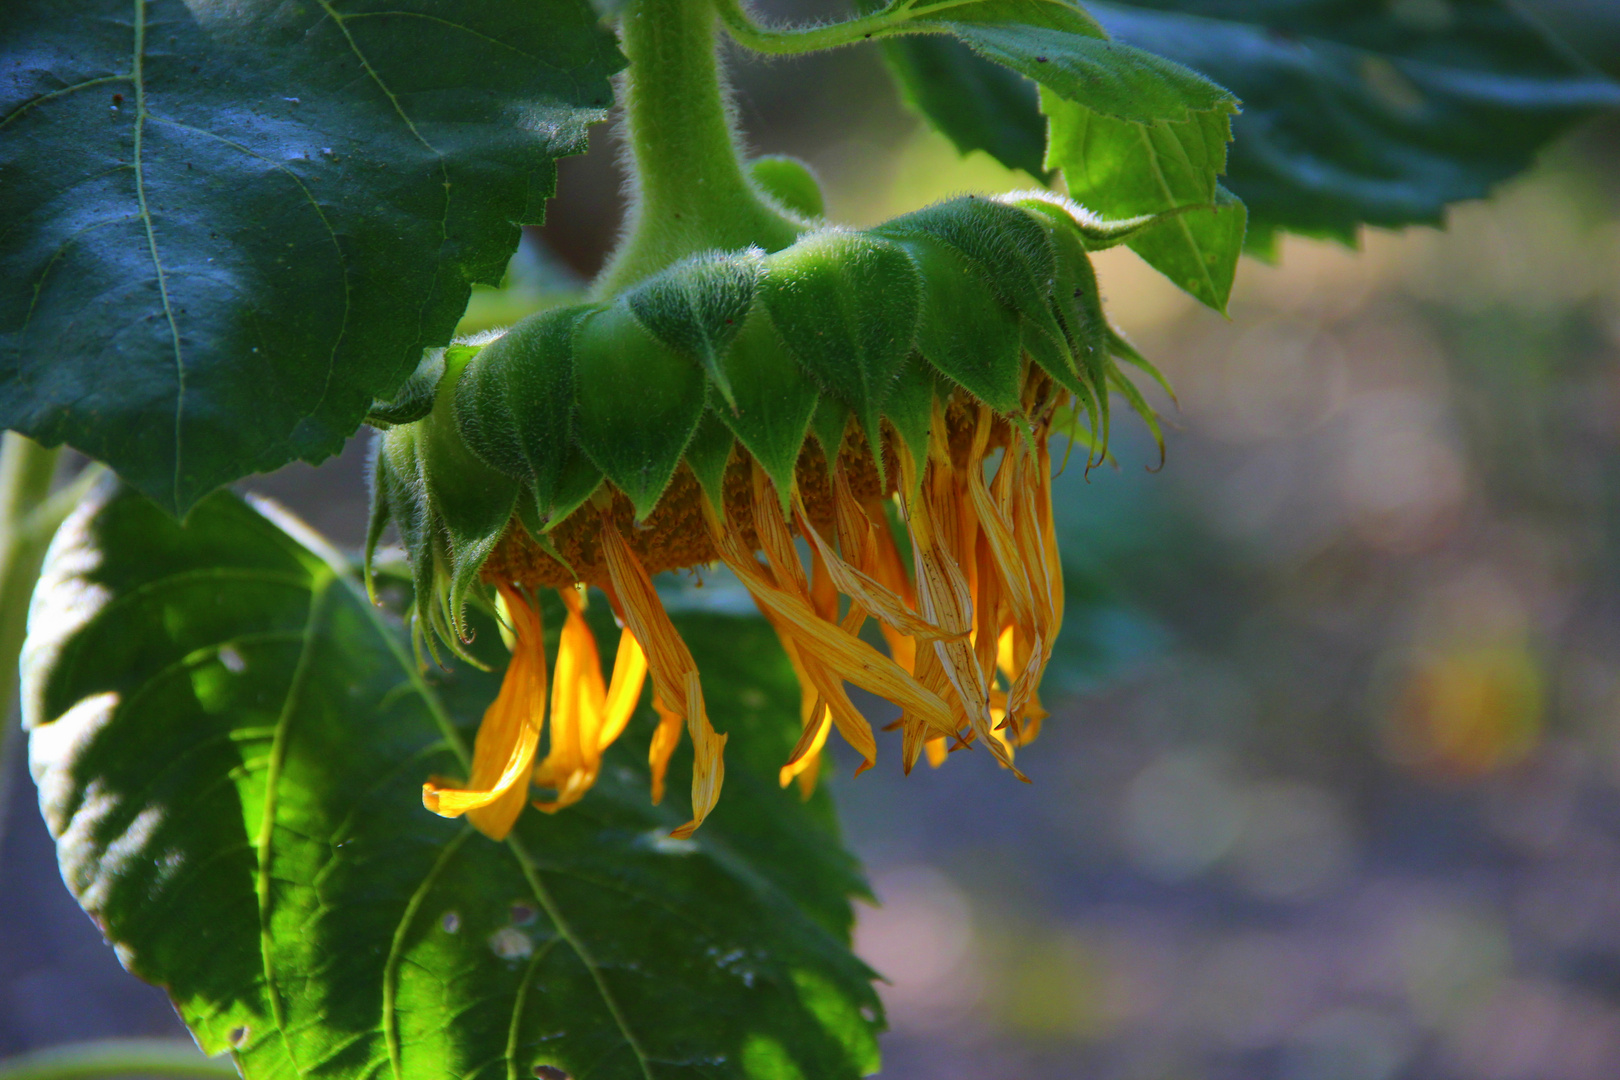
x,y
1353,113
638,403
1066,53
514,406
975,103
911,408
230,227
1198,249
1371,113
708,454
467,499
1077,303
1124,170
1010,249
230,743
698,305
790,182
775,399
830,424
846,305
966,332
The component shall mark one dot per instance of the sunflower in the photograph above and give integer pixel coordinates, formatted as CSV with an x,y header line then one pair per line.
x,y
781,398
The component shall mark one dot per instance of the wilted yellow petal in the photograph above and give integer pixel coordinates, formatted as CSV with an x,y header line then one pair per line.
x,y
504,750
849,656
944,598
777,543
675,676
872,594
708,758
666,736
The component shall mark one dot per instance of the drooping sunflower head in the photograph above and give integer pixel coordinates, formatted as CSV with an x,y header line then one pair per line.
x,y
887,396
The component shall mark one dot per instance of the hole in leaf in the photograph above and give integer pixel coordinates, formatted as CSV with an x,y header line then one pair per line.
x,y
451,922
523,914
550,1072
239,1035
510,944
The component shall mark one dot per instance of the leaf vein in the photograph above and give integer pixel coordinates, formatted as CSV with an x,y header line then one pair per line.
x,y
319,590
139,78
396,951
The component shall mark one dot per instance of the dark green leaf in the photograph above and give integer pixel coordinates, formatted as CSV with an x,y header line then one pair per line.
x,y
515,407
708,454
230,227
974,102
698,305
1107,77
965,331
230,743
1370,112
846,305
639,401
774,398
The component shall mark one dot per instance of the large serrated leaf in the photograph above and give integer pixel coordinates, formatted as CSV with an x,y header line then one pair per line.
x,y
1361,112
230,227
230,743
846,305
1369,112
1072,58
638,403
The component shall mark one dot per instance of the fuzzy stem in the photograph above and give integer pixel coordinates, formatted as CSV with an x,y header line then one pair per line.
x,y
117,1057
690,191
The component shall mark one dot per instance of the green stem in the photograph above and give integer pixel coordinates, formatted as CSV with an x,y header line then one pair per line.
x,y
897,17
117,1057
690,191
29,516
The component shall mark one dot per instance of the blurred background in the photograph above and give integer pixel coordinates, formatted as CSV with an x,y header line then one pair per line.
x,y
1332,786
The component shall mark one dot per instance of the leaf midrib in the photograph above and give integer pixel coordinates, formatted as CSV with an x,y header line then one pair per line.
x,y
525,862
319,588
138,77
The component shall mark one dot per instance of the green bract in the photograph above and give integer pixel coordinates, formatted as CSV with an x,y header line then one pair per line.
x,y
761,349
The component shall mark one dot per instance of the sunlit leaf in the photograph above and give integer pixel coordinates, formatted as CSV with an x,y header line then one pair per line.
x,y
230,744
